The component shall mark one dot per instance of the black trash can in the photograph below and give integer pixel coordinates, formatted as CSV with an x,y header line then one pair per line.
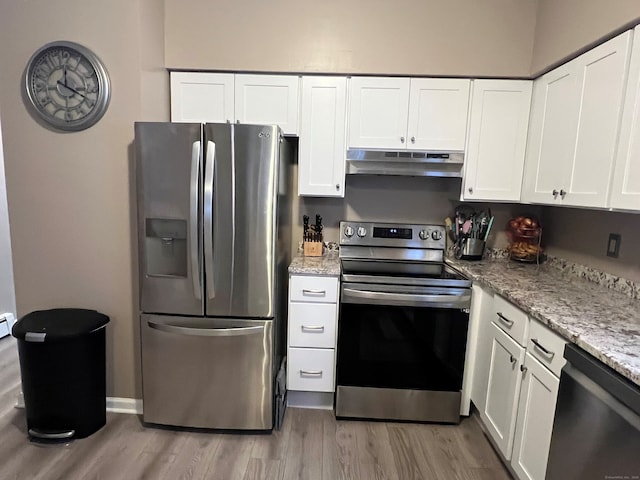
x,y
62,363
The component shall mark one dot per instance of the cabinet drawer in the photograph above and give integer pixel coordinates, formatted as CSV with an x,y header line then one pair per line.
x,y
311,369
510,319
546,346
313,289
312,325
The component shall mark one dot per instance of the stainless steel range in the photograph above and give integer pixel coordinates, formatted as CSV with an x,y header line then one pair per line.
x,y
404,317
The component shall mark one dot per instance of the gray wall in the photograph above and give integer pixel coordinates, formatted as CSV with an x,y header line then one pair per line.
x,y
417,37
70,197
564,27
582,235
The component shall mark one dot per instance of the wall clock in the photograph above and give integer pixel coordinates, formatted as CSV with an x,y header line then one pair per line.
x,y
67,85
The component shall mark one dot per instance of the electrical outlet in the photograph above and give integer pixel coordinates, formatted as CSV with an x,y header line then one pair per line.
x,y
613,247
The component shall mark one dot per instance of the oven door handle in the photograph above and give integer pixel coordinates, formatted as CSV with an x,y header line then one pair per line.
x,y
351,295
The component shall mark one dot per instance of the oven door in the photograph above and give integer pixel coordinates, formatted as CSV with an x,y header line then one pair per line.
x,y
401,352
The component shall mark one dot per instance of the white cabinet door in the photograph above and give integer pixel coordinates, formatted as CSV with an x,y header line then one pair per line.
x,y
322,147
269,100
378,112
438,111
552,134
502,389
498,127
602,74
574,127
202,97
625,193
535,421
479,351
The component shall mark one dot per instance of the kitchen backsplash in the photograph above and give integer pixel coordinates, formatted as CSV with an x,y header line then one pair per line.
x,y
401,200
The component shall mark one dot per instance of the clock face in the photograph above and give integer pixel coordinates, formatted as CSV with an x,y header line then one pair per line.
x,y
67,85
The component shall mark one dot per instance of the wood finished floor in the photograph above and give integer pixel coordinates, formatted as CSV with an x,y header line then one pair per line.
x,y
311,445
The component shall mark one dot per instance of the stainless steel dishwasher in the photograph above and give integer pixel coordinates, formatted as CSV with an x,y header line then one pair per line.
x,y
596,431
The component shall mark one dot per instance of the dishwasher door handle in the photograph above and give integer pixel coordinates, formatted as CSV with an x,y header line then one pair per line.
x,y
206,332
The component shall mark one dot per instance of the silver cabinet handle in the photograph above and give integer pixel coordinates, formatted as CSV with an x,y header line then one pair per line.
x,y
337,186
555,193
208,218
194,201
470,190
413,139
311,373
312,328
313,292
401,139
206,332
512,359
562,193
523,369
537,345
505,319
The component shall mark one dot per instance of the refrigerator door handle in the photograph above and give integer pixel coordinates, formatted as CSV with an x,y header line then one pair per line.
x,y
193,218
206,332
208,218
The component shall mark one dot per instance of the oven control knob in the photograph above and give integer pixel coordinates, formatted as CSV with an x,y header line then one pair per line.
x,y
436,235
348,231
424,235
362,232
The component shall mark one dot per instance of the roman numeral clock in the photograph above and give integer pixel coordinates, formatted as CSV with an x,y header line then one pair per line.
x,y
67,85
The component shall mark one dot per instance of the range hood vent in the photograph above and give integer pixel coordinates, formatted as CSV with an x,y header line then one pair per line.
x,y
409,163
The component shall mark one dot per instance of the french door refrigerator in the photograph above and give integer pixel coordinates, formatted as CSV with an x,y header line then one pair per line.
x,y
214,246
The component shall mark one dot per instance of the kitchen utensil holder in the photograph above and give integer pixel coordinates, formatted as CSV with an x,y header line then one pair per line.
x,y
312,249
469,249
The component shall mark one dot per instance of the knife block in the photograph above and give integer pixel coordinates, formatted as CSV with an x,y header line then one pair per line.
x,y
312,249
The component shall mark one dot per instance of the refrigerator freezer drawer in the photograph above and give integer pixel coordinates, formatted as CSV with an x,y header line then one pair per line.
x,y
207,373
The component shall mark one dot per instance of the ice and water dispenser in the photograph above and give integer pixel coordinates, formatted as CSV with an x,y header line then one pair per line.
x,y
166,247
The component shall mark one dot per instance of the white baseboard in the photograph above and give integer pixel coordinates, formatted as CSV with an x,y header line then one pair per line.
x,y
124,405
132,406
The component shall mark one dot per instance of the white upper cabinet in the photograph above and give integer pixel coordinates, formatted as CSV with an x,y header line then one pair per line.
x,y
378,112
268,100
202,97
497,139
625,192
403,113
225,97
438,110
321,156
574,127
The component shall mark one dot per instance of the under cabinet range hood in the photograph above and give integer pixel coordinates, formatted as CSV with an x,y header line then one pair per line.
x,y
404,162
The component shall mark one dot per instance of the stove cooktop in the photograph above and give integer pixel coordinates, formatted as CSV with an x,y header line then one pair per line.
x,y
398,254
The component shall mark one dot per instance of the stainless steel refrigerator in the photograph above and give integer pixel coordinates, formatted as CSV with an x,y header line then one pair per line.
x,y
214,203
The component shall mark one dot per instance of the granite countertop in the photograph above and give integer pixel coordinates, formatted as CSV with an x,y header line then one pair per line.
x,y
328,265
600,320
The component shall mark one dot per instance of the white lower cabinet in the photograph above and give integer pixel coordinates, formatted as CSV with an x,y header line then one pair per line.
x,y
311,369
535,420
515,385
502,389
311,339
